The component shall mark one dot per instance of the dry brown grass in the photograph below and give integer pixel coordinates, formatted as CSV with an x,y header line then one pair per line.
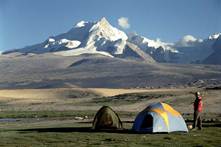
x,y
75,99
113,92
40,94
35,93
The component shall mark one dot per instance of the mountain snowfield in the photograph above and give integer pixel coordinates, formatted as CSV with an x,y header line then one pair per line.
x,y
102,38
97,40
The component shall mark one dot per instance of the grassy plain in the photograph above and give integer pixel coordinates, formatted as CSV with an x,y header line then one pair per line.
x,y
47,117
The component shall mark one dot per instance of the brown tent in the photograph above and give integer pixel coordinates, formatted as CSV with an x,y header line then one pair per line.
x,y
107,118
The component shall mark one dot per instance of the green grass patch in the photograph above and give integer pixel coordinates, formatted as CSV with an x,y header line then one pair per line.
x,y
80,134
52,114
43,114
126,99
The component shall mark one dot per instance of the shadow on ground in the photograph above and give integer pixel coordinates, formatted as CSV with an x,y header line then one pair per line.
x,y
74,129
89,129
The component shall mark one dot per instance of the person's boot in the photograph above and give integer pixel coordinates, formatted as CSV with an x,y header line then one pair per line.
x,y
193,129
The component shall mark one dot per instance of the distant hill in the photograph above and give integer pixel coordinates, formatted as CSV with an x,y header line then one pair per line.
x,y
51,71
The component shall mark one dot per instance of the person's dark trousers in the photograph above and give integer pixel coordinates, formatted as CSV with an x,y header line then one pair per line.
x,y
197,122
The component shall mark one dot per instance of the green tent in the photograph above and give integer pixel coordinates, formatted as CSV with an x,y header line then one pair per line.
x,y
106,118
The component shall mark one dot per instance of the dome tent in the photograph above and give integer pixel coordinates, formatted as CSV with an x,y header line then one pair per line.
x,y
107,118
159,117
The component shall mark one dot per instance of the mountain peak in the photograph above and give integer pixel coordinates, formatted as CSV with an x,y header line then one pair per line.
x,y
80,24
102,24
103,29
103,20
214,36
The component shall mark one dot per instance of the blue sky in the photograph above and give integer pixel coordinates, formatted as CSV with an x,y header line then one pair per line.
x,y
26,22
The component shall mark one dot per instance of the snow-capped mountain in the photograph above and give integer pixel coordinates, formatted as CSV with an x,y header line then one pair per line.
x,y
89,38
99,37
85,37
187,50
102,38
160,51
214,36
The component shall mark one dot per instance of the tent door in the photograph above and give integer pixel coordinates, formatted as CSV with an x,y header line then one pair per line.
x,y
147,122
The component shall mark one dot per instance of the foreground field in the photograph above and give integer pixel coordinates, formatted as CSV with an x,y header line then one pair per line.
x,y
69,132
47,117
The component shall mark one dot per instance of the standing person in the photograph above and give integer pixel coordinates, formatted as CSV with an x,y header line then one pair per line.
x,y
198,108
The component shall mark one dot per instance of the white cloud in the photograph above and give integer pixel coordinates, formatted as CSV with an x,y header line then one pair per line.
x,y
187,41
123,22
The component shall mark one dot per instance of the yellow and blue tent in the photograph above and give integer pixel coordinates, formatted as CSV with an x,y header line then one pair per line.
x,y
159,117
